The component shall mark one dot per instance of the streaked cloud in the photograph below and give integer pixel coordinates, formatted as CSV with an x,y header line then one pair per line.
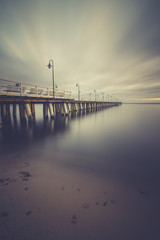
x,y
112,46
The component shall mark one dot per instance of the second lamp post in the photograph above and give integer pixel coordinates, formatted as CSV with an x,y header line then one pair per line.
x,y
77,85
49,66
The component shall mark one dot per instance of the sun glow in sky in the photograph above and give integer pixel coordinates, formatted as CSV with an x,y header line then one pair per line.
x,y
112,46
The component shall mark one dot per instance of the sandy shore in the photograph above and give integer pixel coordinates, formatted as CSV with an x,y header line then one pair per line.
x,y
46,195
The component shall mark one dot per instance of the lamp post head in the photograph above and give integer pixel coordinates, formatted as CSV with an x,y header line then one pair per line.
x,y
49,65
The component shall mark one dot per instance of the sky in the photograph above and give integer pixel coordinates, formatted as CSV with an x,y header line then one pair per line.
x,y
112,46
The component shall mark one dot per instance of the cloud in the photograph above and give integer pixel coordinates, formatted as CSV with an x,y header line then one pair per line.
x,y
111,46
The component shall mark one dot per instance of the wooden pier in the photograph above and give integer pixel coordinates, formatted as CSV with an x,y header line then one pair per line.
x,y
17,96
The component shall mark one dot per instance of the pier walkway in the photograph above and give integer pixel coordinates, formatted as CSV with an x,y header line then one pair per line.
x,y
25,96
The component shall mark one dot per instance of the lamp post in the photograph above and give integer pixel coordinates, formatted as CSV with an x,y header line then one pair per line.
x,y
103,96
77,85
95,93
49,66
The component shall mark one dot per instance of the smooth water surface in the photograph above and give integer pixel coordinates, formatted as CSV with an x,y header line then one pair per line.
x,y
87,176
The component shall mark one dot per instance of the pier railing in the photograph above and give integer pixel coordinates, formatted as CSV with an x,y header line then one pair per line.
x,y
15,88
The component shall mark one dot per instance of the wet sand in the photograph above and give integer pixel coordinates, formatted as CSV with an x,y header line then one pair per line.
x,y
45,196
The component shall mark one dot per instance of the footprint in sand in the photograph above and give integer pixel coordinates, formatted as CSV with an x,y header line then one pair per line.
x,y
86,205
6,181
74,219
25,175
105,203
28,213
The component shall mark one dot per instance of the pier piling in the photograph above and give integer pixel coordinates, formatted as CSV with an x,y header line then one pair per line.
x,y
33,110
22,113
51,110
28,112
45,111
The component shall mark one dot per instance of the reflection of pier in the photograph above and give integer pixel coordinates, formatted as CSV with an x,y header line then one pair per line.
x,y
17,136
23,96
22,135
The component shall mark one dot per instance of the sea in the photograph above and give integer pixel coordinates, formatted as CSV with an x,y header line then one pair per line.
x,y
87,176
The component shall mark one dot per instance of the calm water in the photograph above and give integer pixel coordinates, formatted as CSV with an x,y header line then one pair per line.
x,y
90,176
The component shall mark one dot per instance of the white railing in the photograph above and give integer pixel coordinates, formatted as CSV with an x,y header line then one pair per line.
x,y
14,88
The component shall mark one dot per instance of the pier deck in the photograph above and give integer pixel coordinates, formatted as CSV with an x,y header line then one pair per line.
x,y
54,101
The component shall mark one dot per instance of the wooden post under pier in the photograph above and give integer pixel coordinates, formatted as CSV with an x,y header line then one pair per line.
x,y
58,108
66,108
62,109
14,111
45,110
54,110
29,112
33,111
22,113
3,113
50,106
8,112
70,107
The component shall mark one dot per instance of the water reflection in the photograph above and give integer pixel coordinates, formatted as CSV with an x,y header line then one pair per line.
x,y
16,133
